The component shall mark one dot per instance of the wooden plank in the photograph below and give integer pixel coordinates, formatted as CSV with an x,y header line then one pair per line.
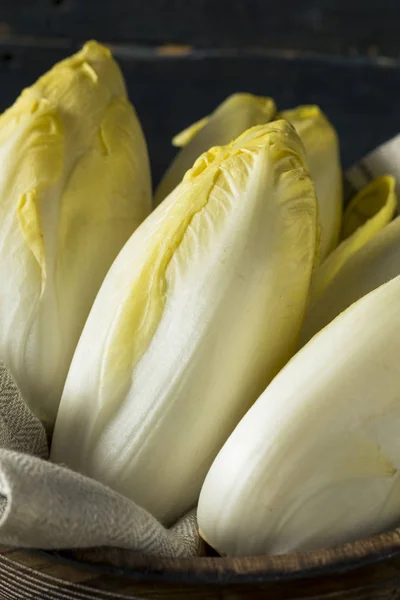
x,y
360,97
341,27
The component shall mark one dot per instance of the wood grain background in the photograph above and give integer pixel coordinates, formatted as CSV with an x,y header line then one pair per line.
x,y
182,57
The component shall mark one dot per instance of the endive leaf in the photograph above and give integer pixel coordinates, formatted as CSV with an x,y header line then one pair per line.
x,y
29,222
322,150
199,311
182,138
370,210
74,185
315,461
375,263
43,139
231,118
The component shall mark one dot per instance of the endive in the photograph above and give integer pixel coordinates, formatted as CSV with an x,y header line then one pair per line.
x,y
377,262
199,311
322,149
315,462
369,211
74,185
230,119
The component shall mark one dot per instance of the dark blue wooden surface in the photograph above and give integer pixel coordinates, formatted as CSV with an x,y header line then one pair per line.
x,y
368,26
340,56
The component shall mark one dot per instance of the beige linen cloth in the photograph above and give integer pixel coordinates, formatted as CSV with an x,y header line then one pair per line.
x,y
47,506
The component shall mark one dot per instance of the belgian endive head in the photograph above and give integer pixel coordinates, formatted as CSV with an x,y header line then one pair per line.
x,y
315,461
74,184
199,311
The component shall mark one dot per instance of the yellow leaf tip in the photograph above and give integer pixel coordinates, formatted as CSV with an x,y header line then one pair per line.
x,y
302,112
92,48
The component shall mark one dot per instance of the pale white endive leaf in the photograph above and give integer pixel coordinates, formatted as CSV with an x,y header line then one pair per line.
x,y
199,311
315,461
